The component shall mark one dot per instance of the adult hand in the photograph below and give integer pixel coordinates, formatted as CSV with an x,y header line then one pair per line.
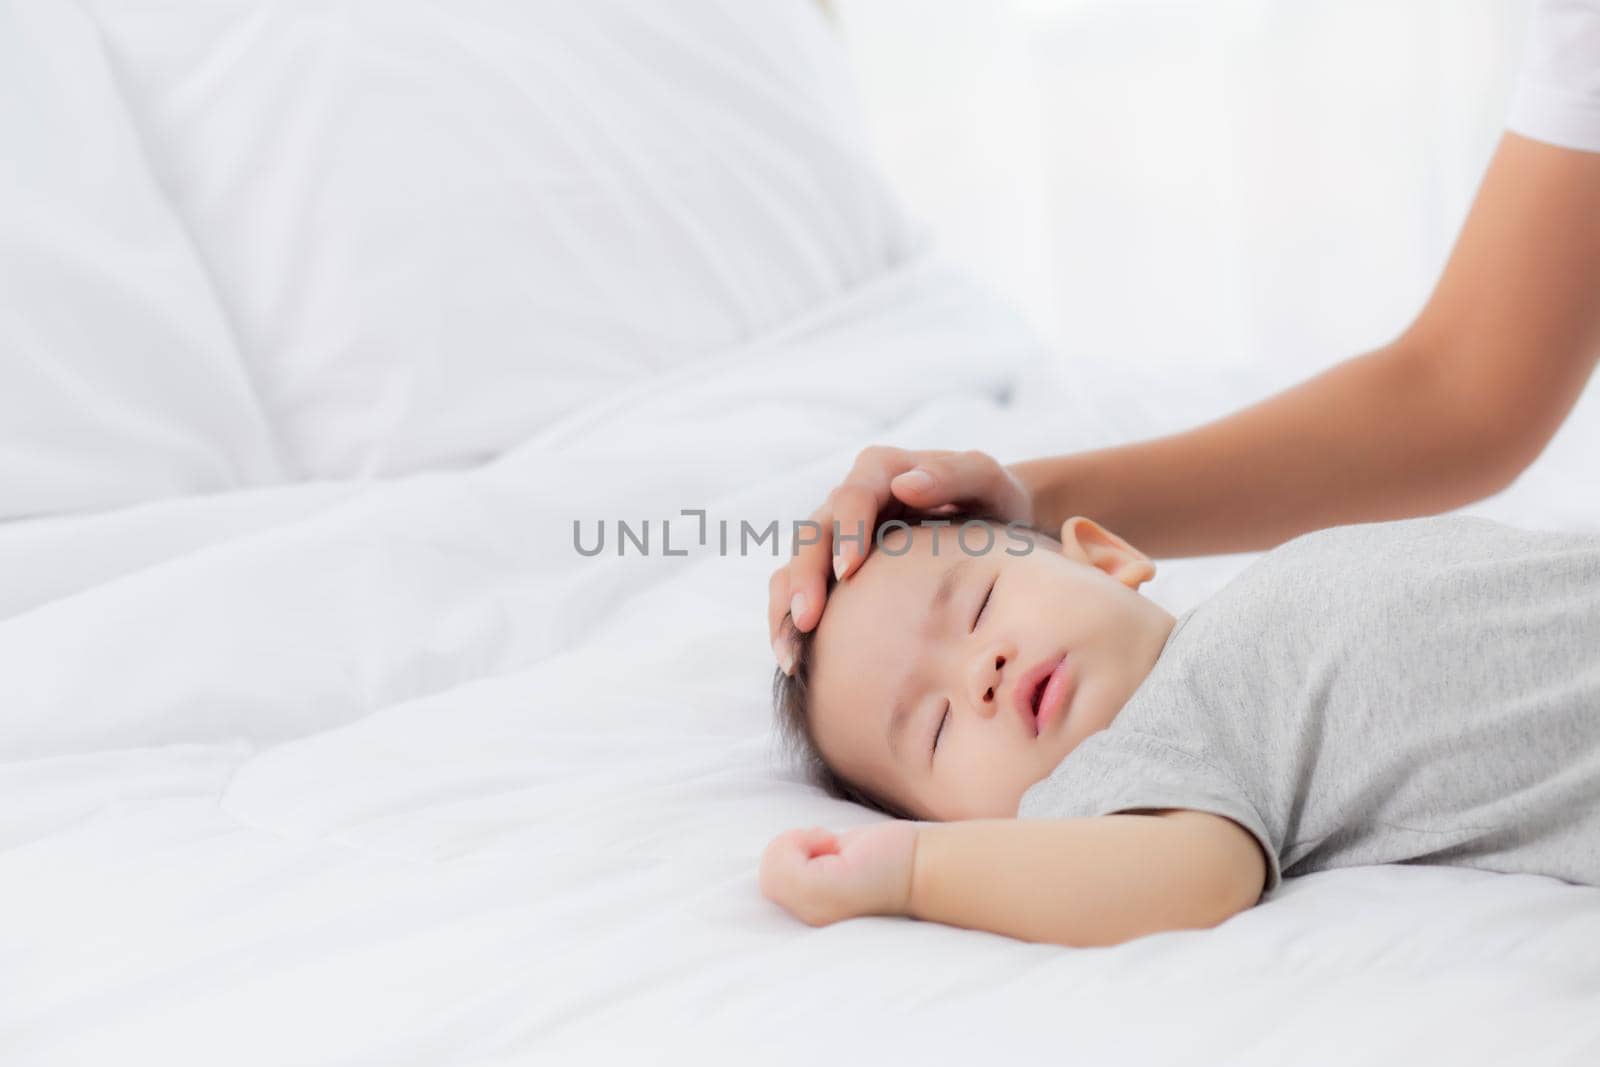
x,y
822,877
884,483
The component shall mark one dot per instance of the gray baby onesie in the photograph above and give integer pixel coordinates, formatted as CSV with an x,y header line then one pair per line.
x,y
1423,691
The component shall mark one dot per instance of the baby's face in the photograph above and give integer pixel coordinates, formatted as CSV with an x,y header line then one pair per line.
x,y
1065,621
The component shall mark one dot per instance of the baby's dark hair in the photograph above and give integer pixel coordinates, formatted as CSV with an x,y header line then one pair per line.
x,y
791,693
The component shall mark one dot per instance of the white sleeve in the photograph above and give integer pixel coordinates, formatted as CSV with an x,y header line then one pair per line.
x,y
1557,94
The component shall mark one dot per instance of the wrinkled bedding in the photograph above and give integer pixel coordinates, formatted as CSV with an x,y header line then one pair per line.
x,y
388,772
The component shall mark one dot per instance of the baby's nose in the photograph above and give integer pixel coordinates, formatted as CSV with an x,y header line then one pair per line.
x,y
991,683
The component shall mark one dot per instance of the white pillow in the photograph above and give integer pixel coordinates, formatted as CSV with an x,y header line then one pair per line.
x,y
119,381
440,226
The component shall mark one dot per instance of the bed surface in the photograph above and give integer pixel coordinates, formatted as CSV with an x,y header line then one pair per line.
x,y
390,773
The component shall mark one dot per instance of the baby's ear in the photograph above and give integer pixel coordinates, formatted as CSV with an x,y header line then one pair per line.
x,y
1089,543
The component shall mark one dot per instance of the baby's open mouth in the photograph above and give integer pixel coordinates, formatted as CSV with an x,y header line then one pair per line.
x,y
1028,699
1038,694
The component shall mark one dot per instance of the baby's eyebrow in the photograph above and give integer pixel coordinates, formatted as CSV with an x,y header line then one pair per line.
x,y
941,598
947,585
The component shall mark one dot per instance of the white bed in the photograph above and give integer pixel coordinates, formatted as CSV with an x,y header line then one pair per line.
x,y
321,742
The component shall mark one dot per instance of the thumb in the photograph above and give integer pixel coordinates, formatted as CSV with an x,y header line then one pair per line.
x,y
947,478
921,486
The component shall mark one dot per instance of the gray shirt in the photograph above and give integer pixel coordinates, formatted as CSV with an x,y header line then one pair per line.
x,y
1420,691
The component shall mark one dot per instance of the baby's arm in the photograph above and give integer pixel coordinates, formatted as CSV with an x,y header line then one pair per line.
x,y
1096,881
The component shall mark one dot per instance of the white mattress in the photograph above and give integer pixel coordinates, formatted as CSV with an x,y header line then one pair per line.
x,y
362,773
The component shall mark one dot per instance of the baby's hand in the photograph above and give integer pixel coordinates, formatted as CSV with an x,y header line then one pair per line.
x,y
824,877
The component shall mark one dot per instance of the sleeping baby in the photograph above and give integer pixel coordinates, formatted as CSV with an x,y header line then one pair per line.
x,y
1067,762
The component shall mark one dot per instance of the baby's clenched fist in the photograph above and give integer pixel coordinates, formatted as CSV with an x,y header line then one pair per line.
x,y
823,877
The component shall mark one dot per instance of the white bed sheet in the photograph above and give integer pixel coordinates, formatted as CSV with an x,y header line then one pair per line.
x,y
388,773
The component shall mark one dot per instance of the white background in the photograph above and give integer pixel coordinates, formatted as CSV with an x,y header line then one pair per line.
x,y
1262,184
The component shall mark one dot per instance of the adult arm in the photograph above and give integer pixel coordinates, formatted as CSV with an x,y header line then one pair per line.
x,y
1450,412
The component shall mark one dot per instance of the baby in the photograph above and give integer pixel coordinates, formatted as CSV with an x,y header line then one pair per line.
x,y
1087,768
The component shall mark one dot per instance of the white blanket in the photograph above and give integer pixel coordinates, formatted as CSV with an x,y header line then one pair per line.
x,y
390,773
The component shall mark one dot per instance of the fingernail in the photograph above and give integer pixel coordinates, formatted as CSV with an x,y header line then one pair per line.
x,y
839,564
797,604
916,478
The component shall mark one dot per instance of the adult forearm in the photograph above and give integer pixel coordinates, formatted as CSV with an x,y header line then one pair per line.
x,y
1078,882
1376,437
